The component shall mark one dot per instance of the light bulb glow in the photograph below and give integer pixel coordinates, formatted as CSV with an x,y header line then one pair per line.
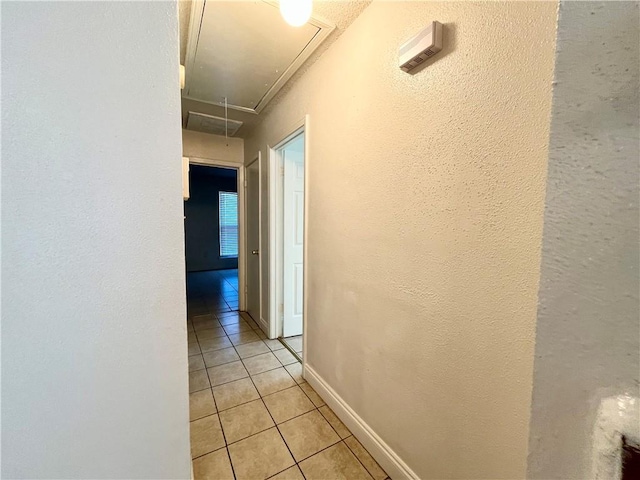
x,y
296,12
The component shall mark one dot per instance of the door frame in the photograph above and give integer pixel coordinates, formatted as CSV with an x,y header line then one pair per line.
x,y
258,158
275,232
240,179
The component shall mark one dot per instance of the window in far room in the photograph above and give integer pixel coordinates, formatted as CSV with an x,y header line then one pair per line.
x,y
228,202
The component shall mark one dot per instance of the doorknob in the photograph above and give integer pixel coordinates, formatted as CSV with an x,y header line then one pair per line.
x,y
255,252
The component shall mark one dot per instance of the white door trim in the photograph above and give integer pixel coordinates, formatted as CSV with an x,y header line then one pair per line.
x,y
240,168
275,236
305,247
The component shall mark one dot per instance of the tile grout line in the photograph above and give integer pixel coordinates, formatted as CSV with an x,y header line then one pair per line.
x,y
276,423
277,426
260,396
217,412
241,378
256,433
212,351
358,458
267,409
226,445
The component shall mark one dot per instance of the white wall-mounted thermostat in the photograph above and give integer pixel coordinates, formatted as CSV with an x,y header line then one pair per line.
x,y
418,48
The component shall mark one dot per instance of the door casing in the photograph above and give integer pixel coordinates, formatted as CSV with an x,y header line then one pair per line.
x,y
275,229
240,168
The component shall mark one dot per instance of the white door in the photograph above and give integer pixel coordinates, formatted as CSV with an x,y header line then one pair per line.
x,y
293,223
253,239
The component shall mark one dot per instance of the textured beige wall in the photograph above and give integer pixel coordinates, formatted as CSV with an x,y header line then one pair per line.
x,y
212,147
426,197
94,351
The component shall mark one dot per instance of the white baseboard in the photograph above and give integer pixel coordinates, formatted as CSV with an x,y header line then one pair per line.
x,y
387,458
264,326
262,323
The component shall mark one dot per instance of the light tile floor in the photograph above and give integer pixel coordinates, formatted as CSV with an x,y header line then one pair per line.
x,y
294,343
212,291
254,417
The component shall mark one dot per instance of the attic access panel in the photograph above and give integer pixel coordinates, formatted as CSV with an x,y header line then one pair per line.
x,y
201,122
245,51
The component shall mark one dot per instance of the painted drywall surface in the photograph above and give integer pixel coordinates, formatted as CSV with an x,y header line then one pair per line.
x,y
205,146
588,331
202,225
94,347
426,197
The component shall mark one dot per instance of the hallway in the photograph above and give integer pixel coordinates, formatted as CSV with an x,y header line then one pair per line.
x,y
252,414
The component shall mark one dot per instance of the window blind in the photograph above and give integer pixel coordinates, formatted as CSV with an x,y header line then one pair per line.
x,y
228,211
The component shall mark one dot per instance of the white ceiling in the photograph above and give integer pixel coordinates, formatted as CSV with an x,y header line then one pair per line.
x,y
242,50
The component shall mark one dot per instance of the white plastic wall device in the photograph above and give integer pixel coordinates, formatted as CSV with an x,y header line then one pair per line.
x,y
421,46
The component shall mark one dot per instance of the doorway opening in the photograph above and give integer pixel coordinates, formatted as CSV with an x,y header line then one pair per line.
x,y
288,219
212,240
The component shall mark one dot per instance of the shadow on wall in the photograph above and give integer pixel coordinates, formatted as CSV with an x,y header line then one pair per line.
x,y
202,222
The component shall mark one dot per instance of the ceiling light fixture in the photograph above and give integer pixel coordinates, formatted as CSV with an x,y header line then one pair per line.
x,y
296,12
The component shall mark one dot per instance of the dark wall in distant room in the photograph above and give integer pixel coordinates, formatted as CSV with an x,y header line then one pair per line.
x,y
202,228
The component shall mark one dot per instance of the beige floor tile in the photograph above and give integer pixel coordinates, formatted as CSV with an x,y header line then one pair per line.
x,y
335,422
295,370
287,404
227,373
272,381
312,394
195,363
232,318
212,344
234,328
291,473
335,463
204,322
216,310
365,458
201,404
260,456
285,357
201,319
261,363
194,348
245,420
274,344
213,466
220,357
228,318
295,343
244,337
234,393
206,435
206,327
308,434
198,380
191,336
252,349
211,333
